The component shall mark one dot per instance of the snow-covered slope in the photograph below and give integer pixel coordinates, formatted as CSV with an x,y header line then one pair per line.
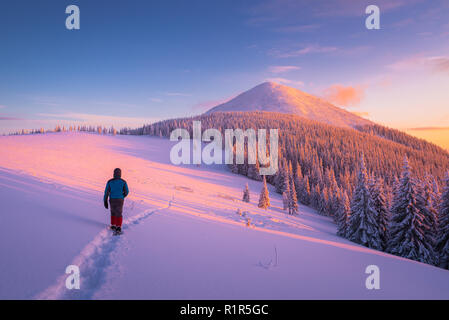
x,y
273,97
183,238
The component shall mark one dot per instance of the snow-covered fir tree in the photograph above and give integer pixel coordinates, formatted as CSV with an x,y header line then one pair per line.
x,y
264,199
435,192
233,167
304,191
342,214
292,199
298,178
315,197
443,232
281,178
323,206
286,196
246,197
334,202
380,204
284,201
430,210
329,179
407,232
254,171
363,227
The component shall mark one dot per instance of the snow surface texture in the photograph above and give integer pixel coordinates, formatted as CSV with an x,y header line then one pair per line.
x,y
183,236
273,97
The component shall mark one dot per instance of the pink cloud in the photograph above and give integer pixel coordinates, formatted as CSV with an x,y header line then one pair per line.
x,y
344,95
415,63
408,63
9,118
357,8
305,50
440,63
429,129
281,69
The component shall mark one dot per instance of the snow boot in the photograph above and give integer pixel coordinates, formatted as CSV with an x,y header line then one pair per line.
x,y
118,231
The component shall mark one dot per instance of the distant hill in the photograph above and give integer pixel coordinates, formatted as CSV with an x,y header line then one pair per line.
x,y
273,97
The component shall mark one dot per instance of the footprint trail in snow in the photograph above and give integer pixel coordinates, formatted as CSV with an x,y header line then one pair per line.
x,y
93,261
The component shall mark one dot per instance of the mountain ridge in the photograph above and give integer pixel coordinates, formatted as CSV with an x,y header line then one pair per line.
x,y
274,97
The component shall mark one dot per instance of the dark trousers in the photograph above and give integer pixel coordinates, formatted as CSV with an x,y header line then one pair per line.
x,y
116,211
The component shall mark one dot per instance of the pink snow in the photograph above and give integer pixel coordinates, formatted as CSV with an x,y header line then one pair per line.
x,y
183,238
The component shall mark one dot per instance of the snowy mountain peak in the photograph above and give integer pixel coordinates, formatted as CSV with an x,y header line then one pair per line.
x,y
274,97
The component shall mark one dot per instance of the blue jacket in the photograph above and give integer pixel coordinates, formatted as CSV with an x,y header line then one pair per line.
x,y
116,188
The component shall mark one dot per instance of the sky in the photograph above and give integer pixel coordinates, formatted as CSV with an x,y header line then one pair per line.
x,y
137,61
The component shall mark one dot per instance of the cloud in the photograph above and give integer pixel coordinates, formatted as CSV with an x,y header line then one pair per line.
x,y
282,69
303,51
408,63
319,49
439,63
347,8
177,94
65,101
297,28
417,63
403,23
114,104
96,119
425,34
429,129
270,12
9,118
155,100
259,20
286,81
344,96
48,101
51,120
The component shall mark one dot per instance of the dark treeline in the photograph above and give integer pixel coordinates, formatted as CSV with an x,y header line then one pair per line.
x,y
73,128
368,198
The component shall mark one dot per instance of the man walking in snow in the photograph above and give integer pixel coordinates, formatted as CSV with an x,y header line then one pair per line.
x,y
116,190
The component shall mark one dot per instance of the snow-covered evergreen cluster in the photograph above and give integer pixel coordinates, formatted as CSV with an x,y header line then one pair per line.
x,y
411,221
286,185
363,223
443,226
415,225
322,164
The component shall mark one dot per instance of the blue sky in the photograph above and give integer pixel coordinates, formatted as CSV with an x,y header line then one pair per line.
x,y
135,61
